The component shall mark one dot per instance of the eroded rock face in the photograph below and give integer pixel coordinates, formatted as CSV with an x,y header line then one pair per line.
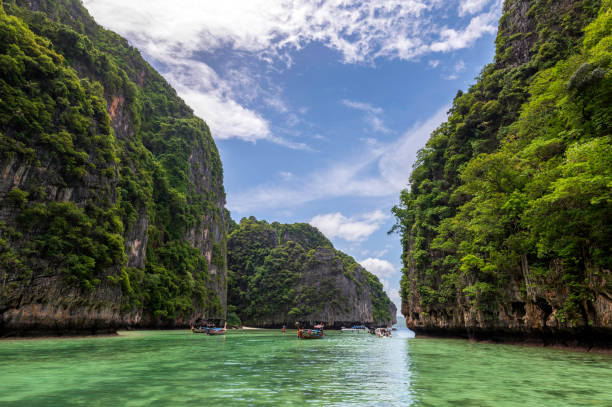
x,y
513,300
518,35
283,274
124,194
354,297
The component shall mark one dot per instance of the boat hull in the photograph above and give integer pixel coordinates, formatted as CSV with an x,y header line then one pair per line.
x,y
310,334
217,331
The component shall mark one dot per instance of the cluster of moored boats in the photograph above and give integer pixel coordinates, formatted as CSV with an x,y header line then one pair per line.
x,y
302,333
210,330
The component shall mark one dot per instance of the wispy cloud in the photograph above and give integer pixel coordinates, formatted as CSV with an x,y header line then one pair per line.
x,y
372,117
380,171
459,67
380,267
471,6
366,107
213,99
353,229
451,39
270,31
271,28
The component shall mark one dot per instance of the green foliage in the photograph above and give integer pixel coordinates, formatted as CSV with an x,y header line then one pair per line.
x,y
17,198
269,274
82,243
233,320
534,189
63,81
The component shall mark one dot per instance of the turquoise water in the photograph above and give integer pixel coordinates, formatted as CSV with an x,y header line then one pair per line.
x,y
174,368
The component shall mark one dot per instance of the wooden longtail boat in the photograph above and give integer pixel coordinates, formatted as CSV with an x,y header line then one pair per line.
x,y
383,332
217,331
310,334
200,330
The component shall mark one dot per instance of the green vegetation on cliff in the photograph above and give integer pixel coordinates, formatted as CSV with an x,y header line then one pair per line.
x,y
517,185
113,174
291,272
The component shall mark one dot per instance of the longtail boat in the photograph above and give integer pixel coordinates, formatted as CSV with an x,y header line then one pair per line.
x,y
217,331
200,330
383,332
310,334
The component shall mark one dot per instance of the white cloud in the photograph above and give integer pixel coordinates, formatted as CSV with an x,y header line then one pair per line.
x,y
371,118
358,31
225,117
434,63
381,171
286,175
352,229
396,164
451,39
459,67
394,295
176,36
379,267
366,107
471,6
377,125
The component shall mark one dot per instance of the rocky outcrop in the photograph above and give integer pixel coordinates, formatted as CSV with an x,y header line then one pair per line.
x,y
287,274
514,316
475,265
534,31
111,192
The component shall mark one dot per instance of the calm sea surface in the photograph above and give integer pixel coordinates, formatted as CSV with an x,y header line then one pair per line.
x,y
176,368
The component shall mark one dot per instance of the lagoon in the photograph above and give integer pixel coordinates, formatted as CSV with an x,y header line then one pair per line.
x,y
264,367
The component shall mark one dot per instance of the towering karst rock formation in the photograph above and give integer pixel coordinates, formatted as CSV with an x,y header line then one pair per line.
x,y
111,190
280,274
507,226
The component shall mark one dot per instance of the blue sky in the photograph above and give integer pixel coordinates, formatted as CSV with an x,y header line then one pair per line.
x,y
317,107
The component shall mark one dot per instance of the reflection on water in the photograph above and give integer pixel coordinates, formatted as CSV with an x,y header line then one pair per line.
x,y
448,372
267,368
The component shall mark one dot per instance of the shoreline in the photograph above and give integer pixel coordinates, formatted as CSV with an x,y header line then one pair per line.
x,y
532,343
117,333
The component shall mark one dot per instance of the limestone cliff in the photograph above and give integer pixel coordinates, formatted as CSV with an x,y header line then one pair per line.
x,y
281,274
111,190
504,229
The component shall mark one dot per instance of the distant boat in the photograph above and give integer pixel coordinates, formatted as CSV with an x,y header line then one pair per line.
x,y
310,334
200,330
382,332
355,328
217,331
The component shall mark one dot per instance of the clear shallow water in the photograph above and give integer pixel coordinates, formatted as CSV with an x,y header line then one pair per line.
x,y
155,368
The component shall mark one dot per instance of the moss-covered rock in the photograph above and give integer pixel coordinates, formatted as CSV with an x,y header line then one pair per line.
x,y
111,195
280,274
506,227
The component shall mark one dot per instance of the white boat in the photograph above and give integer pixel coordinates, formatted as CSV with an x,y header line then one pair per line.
x,y
355,328
383,332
